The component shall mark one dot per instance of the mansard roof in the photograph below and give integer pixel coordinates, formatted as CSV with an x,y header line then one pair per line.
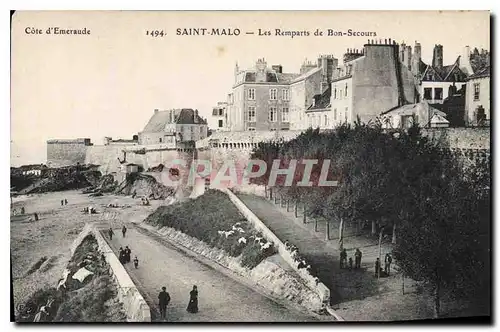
x,y
160,119
271,77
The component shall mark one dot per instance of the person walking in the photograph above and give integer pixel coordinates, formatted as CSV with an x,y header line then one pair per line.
x,y
136,262
377,267
121,256
110,233
65,201
357,256
388,261
193,301
350,263
62,202
22,210
127,253
343,259
124,230
163,301
36,216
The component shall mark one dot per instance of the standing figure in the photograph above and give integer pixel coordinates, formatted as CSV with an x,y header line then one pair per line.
x,y
377,267
36,216
121,256
22,210
136,262
343,258
357,256
388,261
65,201
62,202
110,233
124,230
163,301
127,252
350,263
193,301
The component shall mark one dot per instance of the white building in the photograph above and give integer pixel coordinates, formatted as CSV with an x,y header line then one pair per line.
x,y
477,98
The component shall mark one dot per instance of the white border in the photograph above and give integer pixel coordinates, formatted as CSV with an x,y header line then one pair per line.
x,y
492,5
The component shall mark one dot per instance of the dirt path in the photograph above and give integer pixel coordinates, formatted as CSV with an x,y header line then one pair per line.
x,y
357,295
221,299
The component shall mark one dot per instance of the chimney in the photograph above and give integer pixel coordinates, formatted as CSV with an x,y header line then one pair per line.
x,y
277,68
156,110
195,116
437,58
261,66
417,55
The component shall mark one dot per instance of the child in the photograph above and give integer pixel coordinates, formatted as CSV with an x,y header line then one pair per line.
x,y
136,262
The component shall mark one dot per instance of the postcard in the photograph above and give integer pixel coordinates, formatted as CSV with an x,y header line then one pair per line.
x,y
250,166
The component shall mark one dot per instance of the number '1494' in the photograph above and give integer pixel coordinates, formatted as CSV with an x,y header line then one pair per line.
x,y
155,33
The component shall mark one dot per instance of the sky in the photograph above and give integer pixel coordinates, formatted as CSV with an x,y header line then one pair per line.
x,y
108,83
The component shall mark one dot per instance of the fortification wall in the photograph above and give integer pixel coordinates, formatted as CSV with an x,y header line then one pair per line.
x,y
136,308
65,153
460,138
108,156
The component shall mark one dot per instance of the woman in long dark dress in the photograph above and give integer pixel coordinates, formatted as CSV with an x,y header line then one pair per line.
x,y
193,301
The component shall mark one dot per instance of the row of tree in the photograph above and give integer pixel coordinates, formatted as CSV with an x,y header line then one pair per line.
x,y
396,180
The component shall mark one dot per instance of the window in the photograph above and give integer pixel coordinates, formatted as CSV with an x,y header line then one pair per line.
x,y
476,91
160,139
346,110
438,93
335,114
251,114
326,120
273,94
221,111
285,115
220,123
428,93
272,114
285,94
251,94
251,129
346,89
335,93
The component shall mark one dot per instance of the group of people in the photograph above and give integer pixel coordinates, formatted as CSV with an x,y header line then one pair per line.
x,y
124,255
387,266
64,202
89,210
164,300
357,259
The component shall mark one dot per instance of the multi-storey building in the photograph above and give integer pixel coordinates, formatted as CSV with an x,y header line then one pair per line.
x,y
434,81
370,81
265,98
477,98
219,116
174,126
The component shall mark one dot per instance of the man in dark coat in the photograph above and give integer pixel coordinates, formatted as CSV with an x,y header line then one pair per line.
x,y
343,258
357,261
377,267
127,252
163,300
388,261
110,233
121,256
124,230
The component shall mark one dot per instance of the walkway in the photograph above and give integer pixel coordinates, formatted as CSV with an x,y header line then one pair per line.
x,y
221,299
350,290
